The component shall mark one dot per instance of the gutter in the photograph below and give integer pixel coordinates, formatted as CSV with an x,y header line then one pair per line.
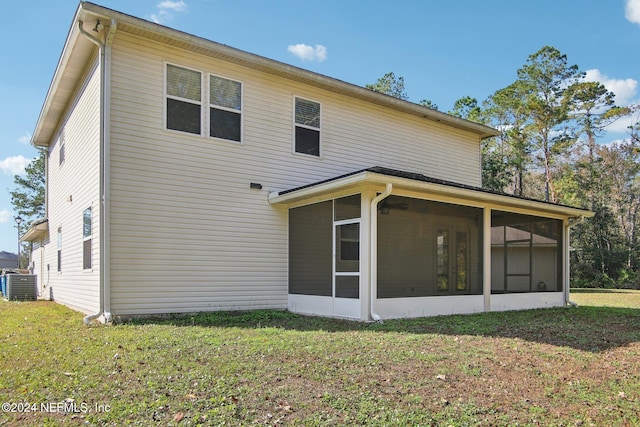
x,y
105,134
373,244
577,221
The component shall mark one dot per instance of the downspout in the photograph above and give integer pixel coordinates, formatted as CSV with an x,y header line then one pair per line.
x,y
578,220
105,78
45,151
373,256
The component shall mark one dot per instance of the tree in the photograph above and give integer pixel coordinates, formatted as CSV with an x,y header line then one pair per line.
x,y
506,111
429,104
390,85
591,107
28,196
544,79
467,108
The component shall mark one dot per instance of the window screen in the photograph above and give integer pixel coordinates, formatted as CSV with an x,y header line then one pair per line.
x,y
310,254
427,248
526,253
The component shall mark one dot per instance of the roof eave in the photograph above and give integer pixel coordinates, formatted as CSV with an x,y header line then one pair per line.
x,y
47,120
38,228
40,136
368,177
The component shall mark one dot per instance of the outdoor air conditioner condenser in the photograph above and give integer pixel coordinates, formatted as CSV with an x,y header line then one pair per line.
x,y
21,287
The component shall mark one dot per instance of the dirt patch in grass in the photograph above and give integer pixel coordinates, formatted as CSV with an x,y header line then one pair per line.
x,y
542,367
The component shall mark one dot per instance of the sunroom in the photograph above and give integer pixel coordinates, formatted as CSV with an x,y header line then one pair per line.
x,y
381,243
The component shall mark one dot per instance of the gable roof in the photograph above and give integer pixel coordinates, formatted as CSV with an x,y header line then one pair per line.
x,y
78,49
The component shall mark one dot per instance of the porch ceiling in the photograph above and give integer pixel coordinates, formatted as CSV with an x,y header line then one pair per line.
x,y
408,181
38,228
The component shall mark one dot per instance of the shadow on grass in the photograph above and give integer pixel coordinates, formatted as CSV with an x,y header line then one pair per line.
x,y
586,328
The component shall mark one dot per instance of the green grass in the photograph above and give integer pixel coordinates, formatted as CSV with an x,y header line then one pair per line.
x,y
606,297
578,366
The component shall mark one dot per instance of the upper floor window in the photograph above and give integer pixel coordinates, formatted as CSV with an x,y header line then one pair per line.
x,y
86,239
188,96
225,112
61,153
307,124
59,259
184,99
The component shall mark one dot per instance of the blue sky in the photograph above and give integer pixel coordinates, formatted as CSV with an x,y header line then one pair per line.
x,y
444,49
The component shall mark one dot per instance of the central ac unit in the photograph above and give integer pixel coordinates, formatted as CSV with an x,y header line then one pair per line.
x,y
21,287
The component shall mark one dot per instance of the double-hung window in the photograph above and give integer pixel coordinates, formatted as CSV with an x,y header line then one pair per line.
x,y
86,239
187,97
59,249
307,127
184,99
225,111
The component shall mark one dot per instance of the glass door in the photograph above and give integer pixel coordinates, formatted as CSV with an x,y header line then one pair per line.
x,y
347,259
451,260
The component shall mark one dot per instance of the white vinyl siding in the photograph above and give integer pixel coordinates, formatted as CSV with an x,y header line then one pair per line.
x,y
187,232
71,189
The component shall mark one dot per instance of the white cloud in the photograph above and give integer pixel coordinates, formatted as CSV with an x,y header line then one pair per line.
x,y
166,9
309,53
621,125
24,139
14,165
177,6
5,216
632,11
624,89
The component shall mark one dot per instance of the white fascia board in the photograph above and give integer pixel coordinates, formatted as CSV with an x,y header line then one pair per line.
x,y
399,183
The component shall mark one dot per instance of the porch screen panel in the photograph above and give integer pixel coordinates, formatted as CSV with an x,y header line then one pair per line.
x,y
428,248
310,249
526,253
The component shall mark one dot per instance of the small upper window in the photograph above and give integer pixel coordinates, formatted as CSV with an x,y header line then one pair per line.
x,y
59,249
61,153
307,135
184,99
225,98
86,239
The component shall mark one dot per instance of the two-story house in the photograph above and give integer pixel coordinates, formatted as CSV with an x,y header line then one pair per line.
x,y
184,175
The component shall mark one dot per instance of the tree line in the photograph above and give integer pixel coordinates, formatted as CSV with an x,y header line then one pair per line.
x,y
551,121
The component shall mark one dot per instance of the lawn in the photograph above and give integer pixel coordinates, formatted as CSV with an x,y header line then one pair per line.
x,y
571,367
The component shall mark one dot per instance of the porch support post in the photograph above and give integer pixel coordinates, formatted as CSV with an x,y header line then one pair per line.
x,y
486,258
365,254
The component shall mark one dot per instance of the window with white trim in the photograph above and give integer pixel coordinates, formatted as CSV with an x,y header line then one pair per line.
x,y
307,127
61,153
184,99
187,96
225,108
59,249
86,239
